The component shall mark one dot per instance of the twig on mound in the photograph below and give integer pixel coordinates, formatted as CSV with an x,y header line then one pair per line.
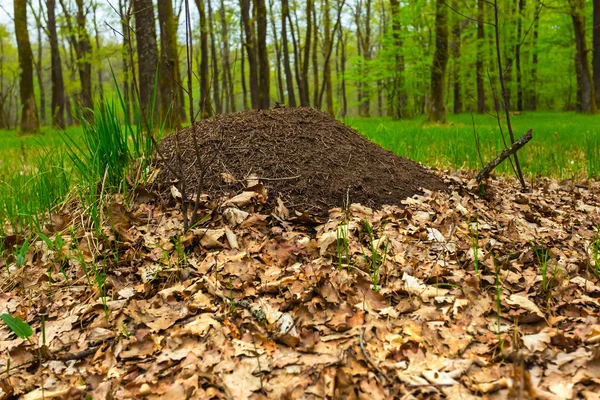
x,y
487,170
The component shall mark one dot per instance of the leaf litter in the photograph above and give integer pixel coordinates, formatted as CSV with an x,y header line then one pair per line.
x,y
451,294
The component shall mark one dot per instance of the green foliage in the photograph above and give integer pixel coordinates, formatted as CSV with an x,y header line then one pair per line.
x,y
18,326
559,148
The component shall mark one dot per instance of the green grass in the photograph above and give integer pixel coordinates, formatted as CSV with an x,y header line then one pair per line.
x,y
564,145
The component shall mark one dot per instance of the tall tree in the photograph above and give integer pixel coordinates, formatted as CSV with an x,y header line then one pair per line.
x,y
126,57
250,46
99,61
147,53
480,57
315,58
586,101
37,63
264,78
398,96
227,74
57,103
596,55
169,72
289,79
520,17
205,106
80,41
455,49
280,90
328,36
437,107
215,63
29,115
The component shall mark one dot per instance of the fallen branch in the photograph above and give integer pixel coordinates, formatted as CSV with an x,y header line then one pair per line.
x,y
487,170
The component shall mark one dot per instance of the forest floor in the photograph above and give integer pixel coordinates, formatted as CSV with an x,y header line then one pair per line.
x,y
459,293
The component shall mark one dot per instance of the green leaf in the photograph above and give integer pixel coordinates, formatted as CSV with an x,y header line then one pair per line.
x,y
17,325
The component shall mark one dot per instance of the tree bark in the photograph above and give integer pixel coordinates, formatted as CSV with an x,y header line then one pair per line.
x,y
169,72
57,103
249,44
518,55
437,107
38,63
29,116
264,76
205,106
480,54
533,95
596,45
227,75
147,54
124,10
398,90
289,79
456,42
328,46
98,60
83,57
243,69
215,63
586,101
315,59
280,90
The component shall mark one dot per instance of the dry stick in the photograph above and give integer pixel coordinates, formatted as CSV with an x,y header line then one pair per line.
x,y
366,355
487,170
505,95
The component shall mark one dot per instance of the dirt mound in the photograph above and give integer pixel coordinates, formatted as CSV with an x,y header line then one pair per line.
x,y
302,155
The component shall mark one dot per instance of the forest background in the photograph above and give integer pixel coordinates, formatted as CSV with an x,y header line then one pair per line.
x,y
347,57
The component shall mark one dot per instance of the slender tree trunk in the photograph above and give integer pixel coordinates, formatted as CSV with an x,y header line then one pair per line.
x,y
126,44
84,62
304,90
518,55
586,100
328,45
38,63
57,103
243,71
147,52
227,78
169,72
315,59
264,74
205,106
437,107
456,39
215,63
342,41
480,55
99,61
596,46
532,97
29,115
289,79
398,99
280,90
250,45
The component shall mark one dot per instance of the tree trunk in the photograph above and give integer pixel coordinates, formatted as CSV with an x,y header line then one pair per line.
x,y
518,55
227,77
456,39
398,99
437,108
596,45
532,97
169,72
249,44
264,77
586,98
83,57
280,90
125,56
38,63
57,102
147,52
328,45
480,54
304,89
29,115
243,69
315,59
342,41
289,79
98,60
205,106
215,63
